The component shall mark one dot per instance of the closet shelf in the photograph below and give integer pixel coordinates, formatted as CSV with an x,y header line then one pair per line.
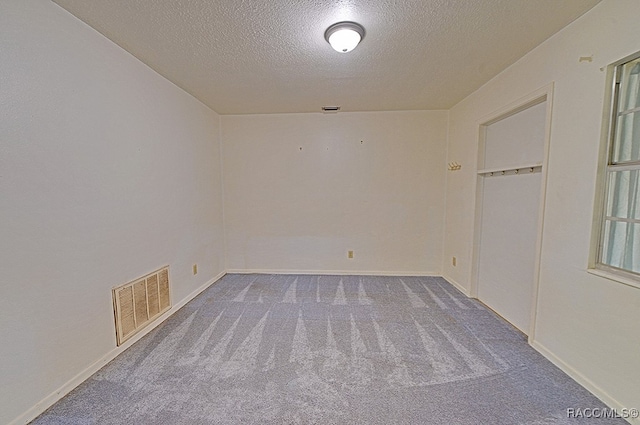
x,y
511,168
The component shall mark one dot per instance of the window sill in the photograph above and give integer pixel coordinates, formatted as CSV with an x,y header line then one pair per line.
x,y
629,281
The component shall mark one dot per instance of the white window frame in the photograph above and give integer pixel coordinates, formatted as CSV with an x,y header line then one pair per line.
x,y
608,165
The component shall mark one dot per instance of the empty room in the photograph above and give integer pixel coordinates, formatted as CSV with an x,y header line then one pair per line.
x,y
304,212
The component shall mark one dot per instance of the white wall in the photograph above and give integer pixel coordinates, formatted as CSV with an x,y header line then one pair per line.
x,y
587,324
107,172
301,190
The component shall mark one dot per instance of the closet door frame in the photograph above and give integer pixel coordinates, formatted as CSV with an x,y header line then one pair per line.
x,y
542,95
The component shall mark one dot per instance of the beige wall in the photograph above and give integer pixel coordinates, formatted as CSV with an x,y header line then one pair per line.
x,y
303,189
107,172
587,324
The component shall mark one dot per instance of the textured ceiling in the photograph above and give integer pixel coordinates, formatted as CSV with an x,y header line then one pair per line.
x,y
254,56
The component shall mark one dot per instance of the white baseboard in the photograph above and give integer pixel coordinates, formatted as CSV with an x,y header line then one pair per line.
x,y
457,285
583,380
65,389
332,272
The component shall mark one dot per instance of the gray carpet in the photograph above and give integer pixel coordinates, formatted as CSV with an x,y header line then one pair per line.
x,y
267,349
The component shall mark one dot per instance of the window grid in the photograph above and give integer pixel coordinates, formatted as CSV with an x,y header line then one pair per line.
x,y
619,247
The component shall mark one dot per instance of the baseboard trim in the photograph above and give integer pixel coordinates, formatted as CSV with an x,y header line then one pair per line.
x,y
333,272
66,388
582,380
459,287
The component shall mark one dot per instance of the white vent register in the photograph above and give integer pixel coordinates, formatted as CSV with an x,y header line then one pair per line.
x,y
138,303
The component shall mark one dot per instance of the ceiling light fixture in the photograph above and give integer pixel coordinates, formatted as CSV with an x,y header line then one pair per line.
x,y
344,36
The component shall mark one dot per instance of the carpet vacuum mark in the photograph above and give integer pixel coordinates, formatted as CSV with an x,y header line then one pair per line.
x,y
274,349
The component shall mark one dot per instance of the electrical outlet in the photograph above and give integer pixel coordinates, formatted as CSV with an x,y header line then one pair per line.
x,y
195,269
453,261
350,254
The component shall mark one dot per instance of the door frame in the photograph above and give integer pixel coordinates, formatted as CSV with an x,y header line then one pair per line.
x,y
544,94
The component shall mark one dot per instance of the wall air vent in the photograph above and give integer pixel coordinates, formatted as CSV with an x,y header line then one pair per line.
x,y
330,108
140,302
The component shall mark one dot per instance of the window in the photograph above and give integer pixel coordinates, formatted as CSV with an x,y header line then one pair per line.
x,y
619,239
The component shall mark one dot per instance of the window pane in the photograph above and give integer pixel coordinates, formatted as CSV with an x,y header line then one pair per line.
x,y
627,140
621,246
623,199
630,85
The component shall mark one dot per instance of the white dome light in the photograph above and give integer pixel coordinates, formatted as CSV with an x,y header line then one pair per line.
x,y
344,36
344,41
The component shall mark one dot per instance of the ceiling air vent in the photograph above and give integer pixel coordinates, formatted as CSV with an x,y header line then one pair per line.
x,y
330,108
138,303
